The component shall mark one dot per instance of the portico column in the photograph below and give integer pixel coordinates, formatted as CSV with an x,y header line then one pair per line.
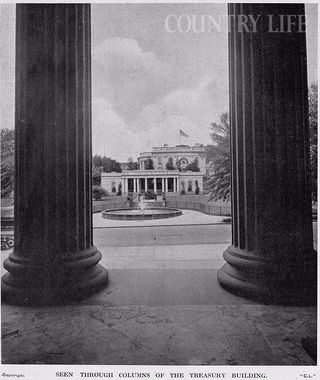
x,y
166,183
134,185
162,185
146,184
271,256
138,185
155,185
54,258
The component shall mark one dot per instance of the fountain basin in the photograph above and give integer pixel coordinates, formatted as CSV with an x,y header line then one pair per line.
x,y
146,214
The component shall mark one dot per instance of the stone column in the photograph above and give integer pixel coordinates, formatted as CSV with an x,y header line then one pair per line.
x,y
138,185
155,185
166,184
162,184
271,256
54,258
146,184
134,185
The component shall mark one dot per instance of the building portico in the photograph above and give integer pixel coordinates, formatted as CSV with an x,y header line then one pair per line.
x,y
156,181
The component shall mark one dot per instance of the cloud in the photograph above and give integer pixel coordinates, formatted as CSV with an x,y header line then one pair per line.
x,y
130,76
190,109
110,134
128,55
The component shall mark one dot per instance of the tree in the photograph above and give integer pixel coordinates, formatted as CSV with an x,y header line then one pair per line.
x,y
313,123
193,166
218,182
103,164
131,164
109,165
96,170
7,162
170,164
98,192
149,164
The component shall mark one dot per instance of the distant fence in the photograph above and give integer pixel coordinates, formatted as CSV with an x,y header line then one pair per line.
x,y
108,205
206,209
188,205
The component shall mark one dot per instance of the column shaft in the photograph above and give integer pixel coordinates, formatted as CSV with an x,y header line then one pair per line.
x,y
271,251
53,256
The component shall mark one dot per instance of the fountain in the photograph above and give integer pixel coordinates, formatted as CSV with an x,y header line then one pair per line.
x,y
141,203
141,209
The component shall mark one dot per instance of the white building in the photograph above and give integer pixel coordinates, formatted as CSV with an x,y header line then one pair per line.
x,y
159,179
182,155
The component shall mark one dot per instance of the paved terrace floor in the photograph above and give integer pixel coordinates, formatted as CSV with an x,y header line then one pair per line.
x,y
163,306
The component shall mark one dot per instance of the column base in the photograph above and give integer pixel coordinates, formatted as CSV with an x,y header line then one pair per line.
x,y
274,281
72,278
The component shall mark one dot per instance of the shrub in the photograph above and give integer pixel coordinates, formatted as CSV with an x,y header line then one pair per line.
x,y
119,189
193,166
183,191
149,164
149,195
98,192
170,164
197,188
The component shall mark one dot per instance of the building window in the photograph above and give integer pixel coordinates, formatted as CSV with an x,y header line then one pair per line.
x,y
184,161
189,186
113,187
159,160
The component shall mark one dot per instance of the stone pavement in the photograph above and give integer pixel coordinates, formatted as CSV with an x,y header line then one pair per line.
x,y
163,306
142,335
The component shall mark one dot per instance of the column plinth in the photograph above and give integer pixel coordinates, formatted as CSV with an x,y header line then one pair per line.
x,y
271,257
54,258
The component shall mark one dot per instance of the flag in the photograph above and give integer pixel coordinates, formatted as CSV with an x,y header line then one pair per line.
x,y
183,134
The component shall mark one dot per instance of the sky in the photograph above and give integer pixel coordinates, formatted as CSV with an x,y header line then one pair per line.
x,y
147,83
